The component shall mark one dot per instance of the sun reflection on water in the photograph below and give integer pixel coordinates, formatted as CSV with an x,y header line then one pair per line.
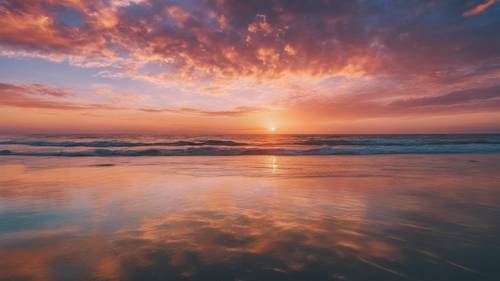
x,y
176,220
274,165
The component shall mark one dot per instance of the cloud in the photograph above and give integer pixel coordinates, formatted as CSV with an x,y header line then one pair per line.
x,y
322,60
208,40
33,96
462,97
479,8
237,111
35,28
34,89
40,96
47,97
481,99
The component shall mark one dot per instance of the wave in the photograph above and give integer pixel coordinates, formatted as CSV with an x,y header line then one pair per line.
x,y
396,142
326,141
220,151
119,143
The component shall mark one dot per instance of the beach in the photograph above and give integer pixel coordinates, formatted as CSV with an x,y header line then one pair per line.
x,y
334,217
225,140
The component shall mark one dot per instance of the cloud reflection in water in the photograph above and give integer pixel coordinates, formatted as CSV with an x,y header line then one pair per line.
x,y
314,218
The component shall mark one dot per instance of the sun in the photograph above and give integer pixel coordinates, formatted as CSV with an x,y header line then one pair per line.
x,y
272,129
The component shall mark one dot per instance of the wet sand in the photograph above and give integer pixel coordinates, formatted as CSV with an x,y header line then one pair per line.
x,y
392,217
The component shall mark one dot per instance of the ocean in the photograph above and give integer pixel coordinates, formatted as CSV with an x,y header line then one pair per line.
x,y
79,208
225,145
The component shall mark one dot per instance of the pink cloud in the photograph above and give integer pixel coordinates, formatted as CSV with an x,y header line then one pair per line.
x,y
479,8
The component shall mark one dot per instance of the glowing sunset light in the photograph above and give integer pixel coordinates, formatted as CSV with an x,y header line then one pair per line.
x,y
219,66
226,140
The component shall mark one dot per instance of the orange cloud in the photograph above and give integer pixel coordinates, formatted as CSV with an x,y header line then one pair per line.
x,y
193,49
259,61
228,40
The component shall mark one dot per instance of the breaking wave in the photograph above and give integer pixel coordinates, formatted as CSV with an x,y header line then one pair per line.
x,y
290,140
220,151
76,146
119,143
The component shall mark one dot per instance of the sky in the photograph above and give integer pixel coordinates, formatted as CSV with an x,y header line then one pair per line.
x,y
237,67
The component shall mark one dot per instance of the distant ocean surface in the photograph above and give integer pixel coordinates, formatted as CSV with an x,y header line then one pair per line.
x,y
227,145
